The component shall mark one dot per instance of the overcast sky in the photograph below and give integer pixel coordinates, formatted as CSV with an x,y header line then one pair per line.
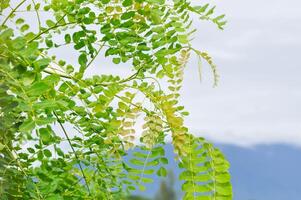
x,y
258,100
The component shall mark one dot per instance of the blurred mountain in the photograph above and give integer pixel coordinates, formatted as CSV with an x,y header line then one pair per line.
x,y
265,172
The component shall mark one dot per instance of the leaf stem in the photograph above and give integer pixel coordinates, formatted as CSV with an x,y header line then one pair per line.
x,y
37,13
12,12
61,75
51,28
133,76
77,159
97,52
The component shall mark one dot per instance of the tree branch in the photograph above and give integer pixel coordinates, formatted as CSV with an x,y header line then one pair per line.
x,y
133,76
61,75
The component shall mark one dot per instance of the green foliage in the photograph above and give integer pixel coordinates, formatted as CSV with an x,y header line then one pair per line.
x,y
65,134
206,172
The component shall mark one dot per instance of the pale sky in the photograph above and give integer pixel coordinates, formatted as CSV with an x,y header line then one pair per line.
x,y
258,100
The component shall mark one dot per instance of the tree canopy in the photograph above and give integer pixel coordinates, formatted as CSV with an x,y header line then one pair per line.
x,y
64,134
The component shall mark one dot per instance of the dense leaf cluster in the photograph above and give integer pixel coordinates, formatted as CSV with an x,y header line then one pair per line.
x,y
64,134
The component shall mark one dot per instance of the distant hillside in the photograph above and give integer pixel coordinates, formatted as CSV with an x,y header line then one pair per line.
x,y
266,172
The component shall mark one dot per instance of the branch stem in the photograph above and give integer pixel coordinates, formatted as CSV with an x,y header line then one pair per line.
x,y
12,12
77,159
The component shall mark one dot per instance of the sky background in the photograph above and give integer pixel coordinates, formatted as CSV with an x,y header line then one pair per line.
x,y
258,99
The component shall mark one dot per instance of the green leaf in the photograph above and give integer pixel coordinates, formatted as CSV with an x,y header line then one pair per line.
x,y
37,89
152,163
156,16
82,59
28,8
192,187
146,180
27,126
47,153
41,64
164,160
142,188
109,9
49,43
30,51
127,3
2,146
45,135
162,172
128,15
137,162
40,155
156,1
140,155
60,152
24,28
69,69
105,28
43,121
4,35
37,6
67,38
210,12
30,150
206,170
50,23
4,4
116,60
105,1
45,104
19,43
54,197
183,39
51,80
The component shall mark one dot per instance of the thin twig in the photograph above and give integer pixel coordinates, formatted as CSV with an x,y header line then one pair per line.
x,y
12,12
61,75
133,76
77,159
37,13
50,28
47,30
97,52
